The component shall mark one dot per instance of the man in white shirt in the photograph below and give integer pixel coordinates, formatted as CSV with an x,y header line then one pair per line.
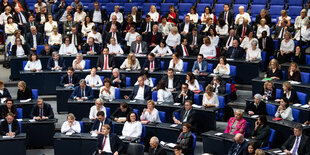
x,y
117,14
140,92
109,143
187,26
305,33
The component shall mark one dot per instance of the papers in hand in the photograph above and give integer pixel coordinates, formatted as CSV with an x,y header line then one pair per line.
x,y
305,106
196,106
254,116
229,59
171,145
173,125
24,101
218,134
178,72
3,100
296,105
68,133
122,118
177,104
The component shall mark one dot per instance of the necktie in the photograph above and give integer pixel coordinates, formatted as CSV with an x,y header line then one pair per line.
x,y
152,66
106,63
82,95
105,138
233,53
70,79
194,40
243,33
21,19
113,35
228,43
91,48
282,32
264,43
75,41
147,27
185,50
295,146
41,112
138,48
225,16
10,127
185,116
236,149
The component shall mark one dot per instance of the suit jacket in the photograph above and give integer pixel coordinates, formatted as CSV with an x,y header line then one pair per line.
x,y
51,63
79,38
144,25
16,17
97,124
5,127
118,36
269,45
104,16
147,92
204,67
278,31
6,94
190,96
101,61
96,49
240,29
29,40
109,24
28,26
138,19
47,111
190,39
176,82
125,23
303,144
293,98
67,27
38,17
116,144
148,38
147,64
122,83
190,27
221,88
230,17
191,118
133,47
226,39
239,51
5,111
23,4
65,80
24,95
88,93
60,14
242,149
260,110
57,9
179,50
14,48
159,151
267,17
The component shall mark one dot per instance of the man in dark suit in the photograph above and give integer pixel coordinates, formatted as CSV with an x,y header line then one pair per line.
x,y
22,3
151,64
138,46
173,83
183,49
140,92
113,34
33,39
228,41
76,38
240,145
101,120
91,47
184,95
112,23
187,114
194,41
105,61
116,145
67,27
82,92
98,16
219,85
10,126
297,143
155,148
41,110
235,51
200,66
5,94
146,25
20,17
70,79
257,107
56,62
118,80
153,38
228,16
186,27
266,44
244,29
280,30
60,6
31,22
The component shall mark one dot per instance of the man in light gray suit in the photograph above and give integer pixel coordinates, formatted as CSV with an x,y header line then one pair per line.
x,y
68,25
138,46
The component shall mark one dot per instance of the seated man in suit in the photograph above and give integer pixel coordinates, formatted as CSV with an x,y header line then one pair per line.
x,y
244,29
113,34
194,40
98,16
56,62
297,143
76,38
153,38
4,94
146,25
183,49
235,51
70,79
109,143
173,83
240,145
140,92
184,95
219,85
10,126
41,110
258,107
186,27
101,120
228,41
227,15
91,47
82,92
266,44
155,148
200,66
118,80
33,39
68,25
110,24
138,46
151,64
105,61
280,30
187,114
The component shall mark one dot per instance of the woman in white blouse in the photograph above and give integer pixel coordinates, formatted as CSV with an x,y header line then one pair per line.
x,y
242,16
163,94
93,80
193,15
207,14
210,99
4,16
174,38
132,127
222,28
154,14
213,37
131,63
115,48
49,25
261,28
299,22
253,53
192,82
87,26
131,36
147,79
96,108
284,16
207,49
78,63
248,40
18,49
96,35
67,48
107,92
284,111
33,64
55,40
286,48
18,34
9,29
79,15
223,67
71,125
176,63
151,113
161,49
164,27
39,5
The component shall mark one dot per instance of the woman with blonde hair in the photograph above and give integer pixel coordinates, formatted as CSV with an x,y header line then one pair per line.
x,y
289,93
78,63
23,93
174,38
71,125
210,99
131,63
55,39
155,16
286,49
176,63
269,91
274,70
150,113
284,16
293,73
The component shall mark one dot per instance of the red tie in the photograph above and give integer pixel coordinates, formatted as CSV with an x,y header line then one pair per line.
x,y
138,48
91,48
105,138
152,66
185,50
113,35
243,34
106,63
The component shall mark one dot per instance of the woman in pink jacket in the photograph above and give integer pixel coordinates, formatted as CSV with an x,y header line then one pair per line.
x,y
236,124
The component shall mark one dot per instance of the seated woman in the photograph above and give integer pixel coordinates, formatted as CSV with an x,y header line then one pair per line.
x,y
205,29
115,48
172,16
87,26
242,16
71,125
284,111
78,63
132,127
55,40
33,63
274,70
269,91
213,37
163,94
49,25
206,15
284,16
93,80
236,124
128,23
174,38
131,37
207,49
151,113
261,28
95,34
107,92
210,99
186,139
4,15
193,15
147,79
96,108
155,16
247,41
253,53
10,29
223,67
18,34
121,113
222,28
192,82
131,63
161,49
23,93
4,93
9,108
251,149
293,73
67,48
261,132
176,63
258,107
289,93
164,27
299,56
19,49
286,48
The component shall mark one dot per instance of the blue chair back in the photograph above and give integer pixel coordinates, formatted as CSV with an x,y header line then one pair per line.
x,y
196,99
108,112
201,87
162,65
20,126
271,109
24,64
82,126
19,113
302,97
154,95
154,81
210,67
228,88
296,113
143,131
271,137
185,66
201,6
87,64
34,94
305,77
283,75
233,70
102,78
276,44
162,116
177,115
128,81
194,142
136,111
39,49
308,59
278,93
117,93
221,101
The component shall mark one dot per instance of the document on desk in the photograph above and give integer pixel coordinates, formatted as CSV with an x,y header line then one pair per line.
x,y
218,134
197,106
24,101
177,104
19,120
296,105
132,101
305,106
122,137
32,120
86,70
68,133
173,125
171,145
278,151
7,137
94,134
254,116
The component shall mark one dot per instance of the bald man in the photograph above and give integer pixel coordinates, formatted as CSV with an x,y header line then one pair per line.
x,y
240,145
